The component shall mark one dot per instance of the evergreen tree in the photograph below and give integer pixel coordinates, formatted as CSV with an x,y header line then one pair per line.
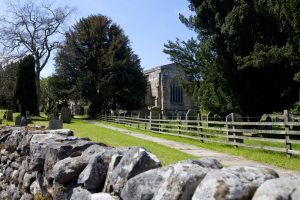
x,y
7,79
246,57
25,88
97,64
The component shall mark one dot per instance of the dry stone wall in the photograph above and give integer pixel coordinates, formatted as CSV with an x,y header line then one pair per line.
x,y
53,164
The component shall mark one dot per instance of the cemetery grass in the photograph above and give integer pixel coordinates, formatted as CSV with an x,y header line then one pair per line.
x,y
263,156
113,138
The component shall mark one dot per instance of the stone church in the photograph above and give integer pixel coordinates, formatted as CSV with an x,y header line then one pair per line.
x,y
164,91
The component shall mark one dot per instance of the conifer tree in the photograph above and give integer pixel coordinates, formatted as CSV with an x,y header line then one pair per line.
x,y
25,88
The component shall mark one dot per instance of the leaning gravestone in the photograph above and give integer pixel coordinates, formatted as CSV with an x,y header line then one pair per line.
x,y
234,117
28,116
65,115
9,115
55,123
20,121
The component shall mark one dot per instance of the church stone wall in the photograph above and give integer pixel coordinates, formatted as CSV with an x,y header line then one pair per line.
x,y
159,88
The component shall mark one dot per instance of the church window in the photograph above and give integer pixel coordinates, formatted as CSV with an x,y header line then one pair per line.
x,y
176,93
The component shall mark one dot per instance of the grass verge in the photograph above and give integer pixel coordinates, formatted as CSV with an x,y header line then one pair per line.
x,y
263,156
113,138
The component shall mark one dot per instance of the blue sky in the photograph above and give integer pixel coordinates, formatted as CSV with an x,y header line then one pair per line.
x,y
148,24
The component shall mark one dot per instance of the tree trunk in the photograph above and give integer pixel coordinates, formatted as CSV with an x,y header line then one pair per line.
x,y
38,84
38,93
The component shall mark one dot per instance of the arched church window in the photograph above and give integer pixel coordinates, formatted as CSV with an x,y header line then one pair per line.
x,y
176,93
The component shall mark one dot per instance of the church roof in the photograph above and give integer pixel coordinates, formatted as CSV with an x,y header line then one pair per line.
x,y
158,68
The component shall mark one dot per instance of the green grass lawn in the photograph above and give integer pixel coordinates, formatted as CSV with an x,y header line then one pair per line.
x,y
113,138
263,156
165,154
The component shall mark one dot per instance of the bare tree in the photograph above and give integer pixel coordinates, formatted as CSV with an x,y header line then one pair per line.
x,y
33,28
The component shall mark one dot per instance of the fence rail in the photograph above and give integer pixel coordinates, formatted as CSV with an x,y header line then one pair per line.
x,y
272,136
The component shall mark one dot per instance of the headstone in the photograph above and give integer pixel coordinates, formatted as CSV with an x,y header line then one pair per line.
x,y
268,127
217,117
155,112
297,127
277,119
191,115
28,116
65,115
210,117
234,117
55,124
9,115
154,115
20,121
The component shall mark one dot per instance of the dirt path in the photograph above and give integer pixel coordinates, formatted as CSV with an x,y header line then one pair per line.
x,y
225,159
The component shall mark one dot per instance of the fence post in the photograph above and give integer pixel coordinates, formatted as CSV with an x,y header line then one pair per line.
x,y
150,120
233,133
200,129
288,145
138,120
159,116
145,121
178,119
230,129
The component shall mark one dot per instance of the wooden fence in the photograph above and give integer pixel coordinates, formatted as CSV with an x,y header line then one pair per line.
x,y
282,136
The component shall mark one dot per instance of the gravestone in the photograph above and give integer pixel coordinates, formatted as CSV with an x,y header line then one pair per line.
x,y
217,117
154,115
9,115
155,112
297,127
191,115
268,119
20,121
65,115
28,116
210,117
234,117
55,123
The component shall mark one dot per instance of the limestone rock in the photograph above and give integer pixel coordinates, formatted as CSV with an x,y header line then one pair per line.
x,y
135,161
233,183
24,145
59,150
94,175
27,196
28,180
14,139
79,193
5,133
103,196
205,162
177,181
68,169
62,132
283,188
38,147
